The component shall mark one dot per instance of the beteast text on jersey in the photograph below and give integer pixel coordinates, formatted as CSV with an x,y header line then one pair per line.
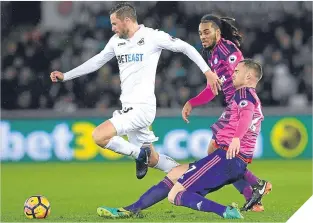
x,y
134,57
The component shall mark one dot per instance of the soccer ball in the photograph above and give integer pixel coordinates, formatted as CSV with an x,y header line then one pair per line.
x,y
37,207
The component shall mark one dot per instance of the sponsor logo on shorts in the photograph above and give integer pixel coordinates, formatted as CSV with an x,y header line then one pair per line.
x,y
199,205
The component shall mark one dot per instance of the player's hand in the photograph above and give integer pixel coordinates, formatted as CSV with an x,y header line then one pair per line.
x,y
56,76
213,81
233,148
186,111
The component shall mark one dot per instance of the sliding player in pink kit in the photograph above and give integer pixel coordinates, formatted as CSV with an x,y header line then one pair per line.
x,y
235,139
235,144
220,42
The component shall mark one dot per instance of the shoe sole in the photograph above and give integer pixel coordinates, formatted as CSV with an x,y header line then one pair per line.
x,y
235,217
257,209
241,217
268,188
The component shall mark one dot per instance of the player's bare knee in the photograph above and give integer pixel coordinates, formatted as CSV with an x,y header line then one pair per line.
x,y
171,196
103,133
96,136
177,172
174,191
172,174
99,138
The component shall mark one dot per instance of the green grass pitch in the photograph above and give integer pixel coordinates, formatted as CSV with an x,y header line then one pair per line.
x,y
75,190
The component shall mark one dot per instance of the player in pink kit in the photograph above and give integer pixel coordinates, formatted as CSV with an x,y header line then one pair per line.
x,y
235,143
221,42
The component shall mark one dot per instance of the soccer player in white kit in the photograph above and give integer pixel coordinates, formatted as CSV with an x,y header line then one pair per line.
x,y
137,49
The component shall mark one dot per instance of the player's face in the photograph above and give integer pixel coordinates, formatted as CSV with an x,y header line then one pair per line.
x,y
207,35
119,27
240,75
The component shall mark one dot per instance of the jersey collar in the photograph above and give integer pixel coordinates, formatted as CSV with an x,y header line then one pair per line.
x,y
141,26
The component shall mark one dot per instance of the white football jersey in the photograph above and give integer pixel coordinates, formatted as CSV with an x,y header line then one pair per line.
x,y
137,59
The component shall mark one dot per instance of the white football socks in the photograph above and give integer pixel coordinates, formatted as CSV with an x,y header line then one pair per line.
x,y
165,163
121,146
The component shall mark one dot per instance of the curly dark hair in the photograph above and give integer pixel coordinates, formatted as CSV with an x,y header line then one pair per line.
x,y
228,31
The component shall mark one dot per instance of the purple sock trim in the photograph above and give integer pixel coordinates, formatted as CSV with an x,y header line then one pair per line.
x,y
177,200
168,182
251,178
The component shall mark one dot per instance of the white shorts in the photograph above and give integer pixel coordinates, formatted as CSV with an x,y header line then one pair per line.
x,y
134,121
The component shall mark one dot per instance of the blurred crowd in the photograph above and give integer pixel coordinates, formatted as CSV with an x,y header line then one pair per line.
x,y
279,36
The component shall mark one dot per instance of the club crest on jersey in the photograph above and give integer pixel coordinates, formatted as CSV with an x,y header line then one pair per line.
x,y
232,59
141,42
215,61
223,79
243,103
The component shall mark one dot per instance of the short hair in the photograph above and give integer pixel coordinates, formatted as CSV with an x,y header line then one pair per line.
x,y
124,10
255,66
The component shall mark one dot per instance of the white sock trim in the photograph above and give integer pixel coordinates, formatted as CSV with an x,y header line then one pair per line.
x,y
121,146
166,163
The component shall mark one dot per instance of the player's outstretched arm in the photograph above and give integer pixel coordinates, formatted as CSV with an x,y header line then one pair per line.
x,y
165,41
202,98
89,66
